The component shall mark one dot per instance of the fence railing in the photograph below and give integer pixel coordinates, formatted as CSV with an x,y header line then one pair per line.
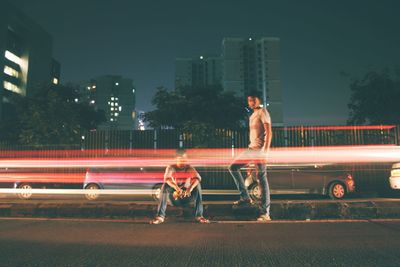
x,y
96,143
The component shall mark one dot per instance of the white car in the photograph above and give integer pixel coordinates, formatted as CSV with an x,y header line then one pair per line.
x,y
394,178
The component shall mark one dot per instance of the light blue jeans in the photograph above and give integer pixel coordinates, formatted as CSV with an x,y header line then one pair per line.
x,y
167,190
246,157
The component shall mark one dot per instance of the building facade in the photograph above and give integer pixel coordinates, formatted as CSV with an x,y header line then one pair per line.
x,y
254,64
116,96
198,72
25,56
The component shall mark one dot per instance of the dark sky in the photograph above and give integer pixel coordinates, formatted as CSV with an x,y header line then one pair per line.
x,y
141,39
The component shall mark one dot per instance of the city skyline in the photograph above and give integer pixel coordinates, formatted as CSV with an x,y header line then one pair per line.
x,y
118,38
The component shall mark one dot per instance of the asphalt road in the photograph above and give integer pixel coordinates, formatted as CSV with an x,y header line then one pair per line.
x,y
38,242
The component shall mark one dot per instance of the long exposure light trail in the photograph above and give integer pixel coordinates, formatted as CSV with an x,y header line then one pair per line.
x,y
222,157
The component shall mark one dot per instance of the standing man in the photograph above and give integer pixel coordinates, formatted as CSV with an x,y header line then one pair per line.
x,y
260,142
182,180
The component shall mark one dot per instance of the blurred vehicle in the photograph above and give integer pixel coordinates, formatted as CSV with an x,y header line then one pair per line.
x,y
27,179
123,178
394,178
328,180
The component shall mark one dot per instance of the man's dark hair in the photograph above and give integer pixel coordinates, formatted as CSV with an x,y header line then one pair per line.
x,y
180,152
254,94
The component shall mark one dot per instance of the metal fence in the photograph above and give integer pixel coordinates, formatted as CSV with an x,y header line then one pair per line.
x,y
302,136
296,136
124,143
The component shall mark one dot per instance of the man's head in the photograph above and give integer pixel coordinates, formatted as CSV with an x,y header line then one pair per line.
x,y
181,158
254,99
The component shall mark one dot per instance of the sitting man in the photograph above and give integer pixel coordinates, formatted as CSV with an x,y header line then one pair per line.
x,y
182,180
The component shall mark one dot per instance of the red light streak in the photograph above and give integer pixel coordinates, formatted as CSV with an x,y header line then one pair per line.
x,y
222,157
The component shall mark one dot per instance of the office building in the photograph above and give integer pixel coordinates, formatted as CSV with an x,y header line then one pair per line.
x,y
254,64
198,72
116,96
26,58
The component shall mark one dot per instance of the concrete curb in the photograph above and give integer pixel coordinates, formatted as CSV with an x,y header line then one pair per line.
x,y
280,210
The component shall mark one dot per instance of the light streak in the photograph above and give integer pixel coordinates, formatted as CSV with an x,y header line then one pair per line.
x,y
50,191
222,157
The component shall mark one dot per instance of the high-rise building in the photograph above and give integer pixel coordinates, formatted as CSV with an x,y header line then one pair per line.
x,y
25,55
253,64
198,72
115,95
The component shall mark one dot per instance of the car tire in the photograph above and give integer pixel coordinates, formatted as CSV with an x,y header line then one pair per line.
x,y
92,196
255,191
25,195
156,192
337,190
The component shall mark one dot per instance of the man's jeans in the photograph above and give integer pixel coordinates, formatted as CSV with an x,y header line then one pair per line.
x,y
241,161
166,190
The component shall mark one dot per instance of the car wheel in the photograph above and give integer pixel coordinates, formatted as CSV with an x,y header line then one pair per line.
x,y
255,191
337,190
156,194
92,195
26,194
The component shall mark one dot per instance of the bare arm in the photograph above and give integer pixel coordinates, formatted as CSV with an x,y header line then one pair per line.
x,y
194,182
171,182
268,136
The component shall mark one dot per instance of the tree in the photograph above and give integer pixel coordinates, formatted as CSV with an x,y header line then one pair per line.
x,y
375,99
208,106
51,116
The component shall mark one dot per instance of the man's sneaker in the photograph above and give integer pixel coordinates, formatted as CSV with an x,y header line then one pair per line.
x,y
201,220
264,218
242,202
157,220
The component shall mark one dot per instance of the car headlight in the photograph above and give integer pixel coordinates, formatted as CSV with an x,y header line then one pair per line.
x,y
395,172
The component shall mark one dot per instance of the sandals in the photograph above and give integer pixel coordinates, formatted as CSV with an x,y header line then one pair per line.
x,y
202,220
241,202
157,220
160,220
264,218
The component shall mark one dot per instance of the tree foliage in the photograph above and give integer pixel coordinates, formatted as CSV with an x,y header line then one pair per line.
x,y
375,99
51,116
205,107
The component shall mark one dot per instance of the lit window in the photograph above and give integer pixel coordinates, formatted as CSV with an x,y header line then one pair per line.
x,y
55,81
116,84
111,119
108,102
116,98
76,100
133,90
112,109
12,57
119,108
112,104
12,87
94,87
88,87
116,114
112,98
116,104
11,72
92,102
201,57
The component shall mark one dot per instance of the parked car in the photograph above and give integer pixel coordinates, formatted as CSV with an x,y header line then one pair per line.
x,y
394,178
328,180
27,179
123,178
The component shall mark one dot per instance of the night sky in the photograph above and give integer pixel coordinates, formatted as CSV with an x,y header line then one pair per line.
x,y
322,42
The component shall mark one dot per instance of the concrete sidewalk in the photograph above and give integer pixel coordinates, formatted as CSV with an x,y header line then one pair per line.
x,y
216,210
